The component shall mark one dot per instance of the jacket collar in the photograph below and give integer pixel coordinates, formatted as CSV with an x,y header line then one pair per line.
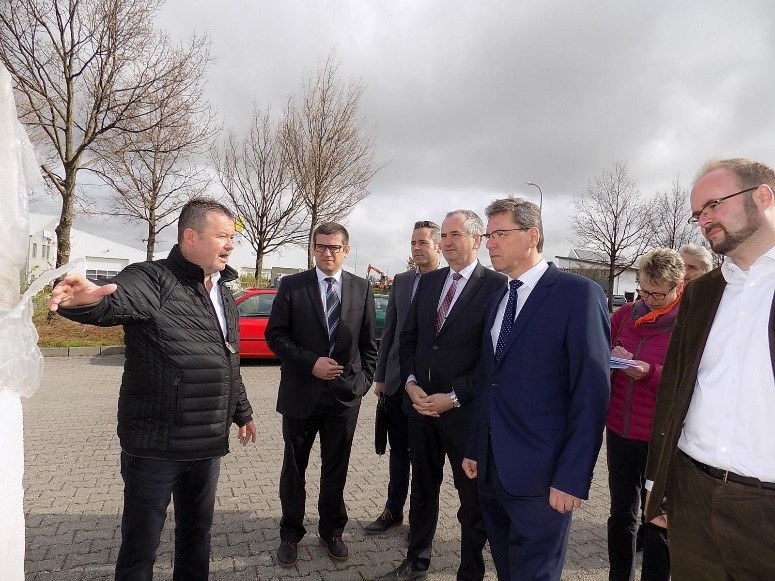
x,y
194,273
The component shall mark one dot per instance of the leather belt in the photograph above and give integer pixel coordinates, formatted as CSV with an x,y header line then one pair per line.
x,y
727,476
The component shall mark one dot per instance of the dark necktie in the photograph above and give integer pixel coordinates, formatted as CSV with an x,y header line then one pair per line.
x,y
333,309
441,314
508,318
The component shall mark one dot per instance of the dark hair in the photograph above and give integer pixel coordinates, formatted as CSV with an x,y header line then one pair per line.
x,y
434,228
194,214
524,213
329,229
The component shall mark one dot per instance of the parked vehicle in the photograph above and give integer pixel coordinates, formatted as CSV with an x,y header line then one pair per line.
x,y
380,304
254,306
619,300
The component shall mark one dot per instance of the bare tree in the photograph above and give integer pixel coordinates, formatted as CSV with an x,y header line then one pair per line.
x,y
669,214
612,220
86,71
155,171
257,179
328,150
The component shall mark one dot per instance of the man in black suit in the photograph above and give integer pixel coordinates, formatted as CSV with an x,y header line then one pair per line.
x,y
425,253
439,350
322,329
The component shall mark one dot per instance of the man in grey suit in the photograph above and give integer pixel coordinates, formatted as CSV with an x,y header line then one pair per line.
x,y
387,379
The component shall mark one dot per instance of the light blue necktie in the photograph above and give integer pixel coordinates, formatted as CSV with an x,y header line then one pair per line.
x,y
508,318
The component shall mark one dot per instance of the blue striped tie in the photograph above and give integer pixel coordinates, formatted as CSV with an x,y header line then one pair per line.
x,y
508,318
333,309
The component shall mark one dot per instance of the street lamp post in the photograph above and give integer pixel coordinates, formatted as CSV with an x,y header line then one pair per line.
x,y
540,193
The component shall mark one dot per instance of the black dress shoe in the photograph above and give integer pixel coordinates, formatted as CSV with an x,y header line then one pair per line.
x,y
406,570
287,554
337,550
384,522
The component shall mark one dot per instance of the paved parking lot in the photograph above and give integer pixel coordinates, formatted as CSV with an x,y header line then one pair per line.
x,y
73,493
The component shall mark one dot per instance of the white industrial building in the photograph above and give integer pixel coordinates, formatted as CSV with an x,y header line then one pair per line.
x,y
104,257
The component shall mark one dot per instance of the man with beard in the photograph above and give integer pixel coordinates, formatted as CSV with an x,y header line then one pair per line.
x,y
712,456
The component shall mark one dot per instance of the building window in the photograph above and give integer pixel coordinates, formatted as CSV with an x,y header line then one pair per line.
x,y
34,250
100,274
44,251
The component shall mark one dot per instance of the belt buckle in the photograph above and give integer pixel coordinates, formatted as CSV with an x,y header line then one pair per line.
x,y
726,475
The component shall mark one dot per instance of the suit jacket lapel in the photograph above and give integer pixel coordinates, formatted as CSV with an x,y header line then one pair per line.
x,y
707,302
347,293
465,296
313,288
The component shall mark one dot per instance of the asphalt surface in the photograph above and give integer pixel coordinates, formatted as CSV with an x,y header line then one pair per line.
x,y
73,493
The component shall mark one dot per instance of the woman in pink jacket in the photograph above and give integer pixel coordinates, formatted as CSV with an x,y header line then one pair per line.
x,y
640,331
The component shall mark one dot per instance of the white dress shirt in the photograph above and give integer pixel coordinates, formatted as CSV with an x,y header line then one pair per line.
x,y
728,424
323,285
461,284
217,301
529,281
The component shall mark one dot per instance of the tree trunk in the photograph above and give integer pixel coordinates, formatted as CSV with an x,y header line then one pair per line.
x,y
259,266
150,246
65,222
611,288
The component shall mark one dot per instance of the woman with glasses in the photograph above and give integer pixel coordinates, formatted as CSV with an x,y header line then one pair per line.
x,y
640,332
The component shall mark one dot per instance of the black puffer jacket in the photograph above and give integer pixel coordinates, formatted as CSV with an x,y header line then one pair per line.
x,y
181,388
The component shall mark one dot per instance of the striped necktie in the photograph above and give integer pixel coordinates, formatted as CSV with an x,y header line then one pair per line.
x,y
333,309
508,318
441,314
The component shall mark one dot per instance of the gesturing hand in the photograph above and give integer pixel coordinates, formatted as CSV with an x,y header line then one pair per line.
x,y
76,291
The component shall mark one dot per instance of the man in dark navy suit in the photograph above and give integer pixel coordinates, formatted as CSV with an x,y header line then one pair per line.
x,y
439,349
542,395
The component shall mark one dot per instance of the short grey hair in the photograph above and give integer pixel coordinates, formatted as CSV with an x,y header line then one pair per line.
x,y
473,223
525,214
700,252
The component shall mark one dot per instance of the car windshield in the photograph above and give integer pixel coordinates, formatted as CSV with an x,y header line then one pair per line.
x,y
256,306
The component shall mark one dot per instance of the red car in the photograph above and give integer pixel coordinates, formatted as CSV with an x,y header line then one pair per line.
x,y
254,306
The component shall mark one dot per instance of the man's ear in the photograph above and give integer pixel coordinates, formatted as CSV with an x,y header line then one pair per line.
x,y
189,234
763,196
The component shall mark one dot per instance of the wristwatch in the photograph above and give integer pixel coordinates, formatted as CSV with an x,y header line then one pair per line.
x,y
453,397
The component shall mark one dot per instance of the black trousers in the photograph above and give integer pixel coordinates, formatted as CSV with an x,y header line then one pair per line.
x,y
148,486
718,530
626,479
336,425
430,440
398,436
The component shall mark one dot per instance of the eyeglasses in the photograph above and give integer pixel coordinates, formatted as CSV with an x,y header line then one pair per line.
x,y
656,296
712,204
332,248
425,224
500,234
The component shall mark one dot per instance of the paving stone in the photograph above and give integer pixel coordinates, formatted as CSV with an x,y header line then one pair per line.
x,y
73,493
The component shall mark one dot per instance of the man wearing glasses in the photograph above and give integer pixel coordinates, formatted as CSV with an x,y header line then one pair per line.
x,y
542,396
439,350
322,329
425,241
711,462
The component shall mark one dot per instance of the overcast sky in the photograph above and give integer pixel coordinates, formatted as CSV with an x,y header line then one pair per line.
x,y
469,100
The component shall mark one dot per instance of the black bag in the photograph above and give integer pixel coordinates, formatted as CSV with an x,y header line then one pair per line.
x,y
380,426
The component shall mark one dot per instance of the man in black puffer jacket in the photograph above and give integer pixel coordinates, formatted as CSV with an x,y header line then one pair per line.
x,y
181,389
